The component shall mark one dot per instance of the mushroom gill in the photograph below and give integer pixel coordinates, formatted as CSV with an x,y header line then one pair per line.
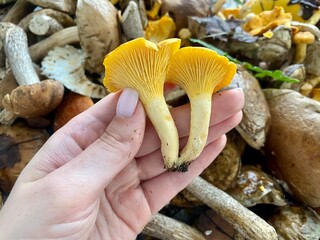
x,y
199,72
142,65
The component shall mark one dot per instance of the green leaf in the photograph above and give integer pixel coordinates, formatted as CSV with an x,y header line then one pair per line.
x,y
260,73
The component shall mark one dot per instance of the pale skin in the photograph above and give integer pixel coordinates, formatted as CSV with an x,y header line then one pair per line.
x,y
101,176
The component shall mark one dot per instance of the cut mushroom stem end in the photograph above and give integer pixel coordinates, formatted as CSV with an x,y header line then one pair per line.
x,y
200,118
163,123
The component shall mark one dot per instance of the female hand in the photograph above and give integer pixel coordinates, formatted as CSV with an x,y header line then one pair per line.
x,y
101,176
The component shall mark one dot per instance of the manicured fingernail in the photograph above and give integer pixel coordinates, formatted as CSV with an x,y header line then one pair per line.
x,y
127,103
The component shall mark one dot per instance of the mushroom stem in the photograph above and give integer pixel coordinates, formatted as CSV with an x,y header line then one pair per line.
x,y
242,219
301,51
166,228
159,113
18,11
61,38
7,117
43,25
199,120
15,46
64,19
314,18
68,6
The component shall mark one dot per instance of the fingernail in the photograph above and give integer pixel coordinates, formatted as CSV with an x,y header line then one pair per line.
x,y
127,103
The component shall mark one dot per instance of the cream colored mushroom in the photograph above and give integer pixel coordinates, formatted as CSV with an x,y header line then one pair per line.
x,y
65,65
64,37
43,25
62,18
199,72
97,22
142,65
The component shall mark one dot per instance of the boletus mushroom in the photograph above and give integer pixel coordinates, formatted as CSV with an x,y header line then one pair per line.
x,y
33,98
19,143
293,142
200,72
142,65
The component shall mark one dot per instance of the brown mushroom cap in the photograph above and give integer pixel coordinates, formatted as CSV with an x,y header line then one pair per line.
x,y
19,143
303,37
34,100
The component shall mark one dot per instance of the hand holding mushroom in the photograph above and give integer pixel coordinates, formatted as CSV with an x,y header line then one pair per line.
x,y
101,175
145,66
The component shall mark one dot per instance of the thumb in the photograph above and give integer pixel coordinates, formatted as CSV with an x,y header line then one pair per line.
x,y
99,163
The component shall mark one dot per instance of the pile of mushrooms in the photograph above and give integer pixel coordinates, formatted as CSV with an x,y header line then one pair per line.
x,y
57,58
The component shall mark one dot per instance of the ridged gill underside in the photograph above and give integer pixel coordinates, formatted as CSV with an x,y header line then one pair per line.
x,y
143,65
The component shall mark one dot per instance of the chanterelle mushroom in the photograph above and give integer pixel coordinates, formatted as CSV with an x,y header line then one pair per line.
x,y
199,72
142,65
301,39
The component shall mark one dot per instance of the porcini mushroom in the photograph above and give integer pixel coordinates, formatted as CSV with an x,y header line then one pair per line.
x,y
98,28
35,100
301,39
199,72
142,65
32,98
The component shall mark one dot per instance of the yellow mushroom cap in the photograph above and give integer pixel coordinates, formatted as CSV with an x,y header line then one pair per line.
x,y
200,70
255,6
267,20
159,30
142,65
139,64
303,37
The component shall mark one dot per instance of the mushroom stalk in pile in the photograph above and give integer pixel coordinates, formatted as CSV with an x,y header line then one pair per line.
x,y
16,50
250,225
142,65
199,72
32,98
166,228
